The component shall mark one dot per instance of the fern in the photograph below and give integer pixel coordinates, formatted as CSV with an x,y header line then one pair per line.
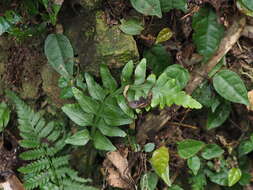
x,y
48,169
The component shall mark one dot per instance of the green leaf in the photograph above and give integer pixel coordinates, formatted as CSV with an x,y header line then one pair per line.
x,y
66,93
88,104
234,175
220,178
248,4
131,26
110,130
149,181
245,147
148,7
175,187
124,106
189,148
245,179
243,8
219,116
95,90
140,72
102,143
164,35
149,147
80,138
127,72
77,115
194,164
198,182
4,116
158,58
231,87
185,100
108,81
160,163
167,5
207,32
179,73
60,54
212,151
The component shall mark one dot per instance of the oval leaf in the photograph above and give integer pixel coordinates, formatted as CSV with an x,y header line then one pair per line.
x,y
248,4
164,35
212,151
108,81
194,164
131,26
149,181
102,143
80,138
167,5
95,90
140,72
234,175
148,7
127,72
60,54
231,87
189,148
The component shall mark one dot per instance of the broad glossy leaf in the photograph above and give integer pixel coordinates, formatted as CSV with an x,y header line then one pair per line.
x,y
160,163
124,106
212,151
234,175
102,143
194,164
140,72
88,104
148,7
167,5
77,115
245,147
220,178
189,148
127,72
95,90
110,131
149,181
248,4
207,32
108,81
132,26
149,147
4,116
231,87
60,54
80,138
179,73
164,35
158,58
219,116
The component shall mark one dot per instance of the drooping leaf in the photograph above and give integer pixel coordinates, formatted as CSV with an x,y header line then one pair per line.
x,y
189,148
160,163
194,164
88,104
164,35
179,73
60,54
234,175
167,5
219,116
124,106
212,151
95,90
148,7
102,143
108,81
158,58
132,26
207,32
127,72
110,131
80,138
231,87
140,72
77,115
149,181
245,147
4,116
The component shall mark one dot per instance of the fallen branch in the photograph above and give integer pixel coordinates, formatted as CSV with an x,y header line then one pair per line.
x,y
154,123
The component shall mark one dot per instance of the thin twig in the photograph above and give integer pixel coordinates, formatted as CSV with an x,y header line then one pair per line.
x,y
182,125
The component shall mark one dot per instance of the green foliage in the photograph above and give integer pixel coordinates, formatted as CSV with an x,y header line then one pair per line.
x,y
164,35
8,21
167,5
148,7
245,8
234,176
198,182
4,116
207,32
248,4
80,138
194,164
175,187
212,151
160,163
231,87
148,181
131,26
189,148
44,141
246,146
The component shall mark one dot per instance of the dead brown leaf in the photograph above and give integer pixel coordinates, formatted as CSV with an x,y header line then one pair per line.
x,y
250,96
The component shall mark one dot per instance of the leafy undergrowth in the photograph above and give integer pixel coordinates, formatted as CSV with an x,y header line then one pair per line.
x,y
179,118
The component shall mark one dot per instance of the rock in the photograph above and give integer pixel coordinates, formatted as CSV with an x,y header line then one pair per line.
x,y
95,42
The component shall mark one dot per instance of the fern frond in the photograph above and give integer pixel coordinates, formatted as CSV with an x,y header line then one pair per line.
x,y
33,154
36,166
